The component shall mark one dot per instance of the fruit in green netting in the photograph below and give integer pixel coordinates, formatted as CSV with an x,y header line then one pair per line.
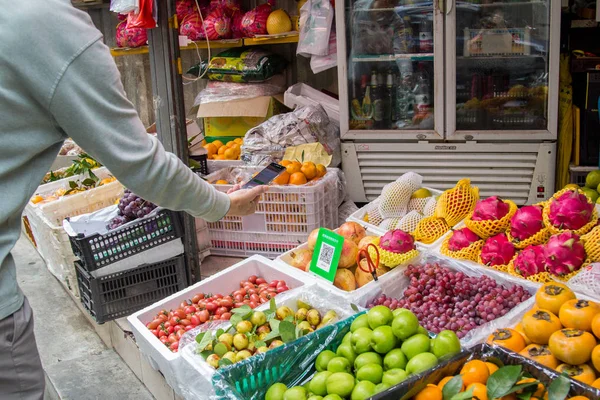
x,y
446,342
347,351
394,376
347,338
318,384
213,360
323,359
381,387
226,338
240,341
295,393
379,315
276,392
301,314
242,355
313,317
592,180
416,344
230,355
362,321
383,339
405,325
340,383
422,330
370,372
332,397
244,326
399,311
258,318
361,340
363,390
421,362
394,359
283,312
339,364
367,358
592,194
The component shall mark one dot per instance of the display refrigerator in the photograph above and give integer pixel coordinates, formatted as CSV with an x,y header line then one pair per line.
x,y
449,89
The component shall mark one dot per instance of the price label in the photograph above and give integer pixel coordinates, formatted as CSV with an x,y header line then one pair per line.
x,y
327,253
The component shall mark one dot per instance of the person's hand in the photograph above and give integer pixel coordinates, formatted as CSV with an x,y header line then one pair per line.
x,y
243,201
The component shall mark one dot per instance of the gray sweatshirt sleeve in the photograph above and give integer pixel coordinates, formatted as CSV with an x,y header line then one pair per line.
x,y
90,105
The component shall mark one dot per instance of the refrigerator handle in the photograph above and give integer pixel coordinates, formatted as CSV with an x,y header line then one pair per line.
x,y
440,5
450,5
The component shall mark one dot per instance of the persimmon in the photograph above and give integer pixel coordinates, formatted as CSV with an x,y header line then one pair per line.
x,y
596,358
583,373
474,371
479,391
508,338
572,346
539,325
596,325
491,367
540,354
519,328
596,383
578,398
552,295
578,314
297,178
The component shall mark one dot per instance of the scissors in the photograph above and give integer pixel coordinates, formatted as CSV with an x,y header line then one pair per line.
x,y
371,266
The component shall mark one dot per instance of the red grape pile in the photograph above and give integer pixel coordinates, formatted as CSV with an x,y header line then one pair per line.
x,y
445,299
131,207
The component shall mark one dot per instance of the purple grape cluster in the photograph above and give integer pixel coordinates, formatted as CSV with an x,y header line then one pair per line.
x,y
446,299
131,207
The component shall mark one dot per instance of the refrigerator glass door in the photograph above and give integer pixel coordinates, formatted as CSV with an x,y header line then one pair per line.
x,y
392,81
502,70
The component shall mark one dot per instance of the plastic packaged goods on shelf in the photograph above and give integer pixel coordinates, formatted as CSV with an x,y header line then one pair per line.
x,y
198,371
517,43
224,282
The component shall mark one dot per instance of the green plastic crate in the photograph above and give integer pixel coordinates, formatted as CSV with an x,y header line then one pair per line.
x,y
292,364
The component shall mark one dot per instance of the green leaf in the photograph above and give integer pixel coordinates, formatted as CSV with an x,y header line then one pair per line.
x,y
302,156
241,310
88,182
274,334
272,305
235,318
274,324
289,318
559,388
468,395
223,362
205,353
204,340
501,381
354,307
259,343
219,333
200,336
73,184
287,331
523,386
452,387
525,395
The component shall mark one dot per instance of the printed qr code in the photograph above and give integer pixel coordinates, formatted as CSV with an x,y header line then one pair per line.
x,y
325,257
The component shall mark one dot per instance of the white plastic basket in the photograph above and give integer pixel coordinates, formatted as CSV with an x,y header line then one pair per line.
x,y
51,187
202,235
284,217
223,282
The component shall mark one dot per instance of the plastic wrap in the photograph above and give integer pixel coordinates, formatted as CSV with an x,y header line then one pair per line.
x,y
127,36
323,63
316,18
124,6
217,91
267,142
587,281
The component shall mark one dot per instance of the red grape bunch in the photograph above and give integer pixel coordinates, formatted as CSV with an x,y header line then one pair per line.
x,y
446,299
131,207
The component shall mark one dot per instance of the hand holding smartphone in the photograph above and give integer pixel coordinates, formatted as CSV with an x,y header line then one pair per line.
x,y
266,176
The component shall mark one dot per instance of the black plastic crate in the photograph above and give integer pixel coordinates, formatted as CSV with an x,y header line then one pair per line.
x,y
120,294
97,251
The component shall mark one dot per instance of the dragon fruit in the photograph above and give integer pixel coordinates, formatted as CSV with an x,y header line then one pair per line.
x,y
564,253
526,222
462,238
497,250
397,241
490,209
530,261
572,210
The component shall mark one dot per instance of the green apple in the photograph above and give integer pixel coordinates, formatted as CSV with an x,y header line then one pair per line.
x,y
315,397
332,397
362,321
381,387
339,364
318,384
323,359
395,359
363,390
383,339
295,393
340,383
347,351
379,315
445,343
399,311
370,372
276,392
347,338
422,330
361,340
394,376
415,344
421,362
367,358
405,325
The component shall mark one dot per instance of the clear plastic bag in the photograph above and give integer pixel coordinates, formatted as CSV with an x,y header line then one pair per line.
x,y
124,6
316,18
217,91
323,63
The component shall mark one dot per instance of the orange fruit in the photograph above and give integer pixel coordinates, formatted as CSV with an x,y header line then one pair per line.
x,y
430,392
36,199
282,179
321,170
596,383
572,346
218,144
491,367
578,314
285,163
553,295
541,354
508,338
596,357
230,143
221,182
475,371
239,140
540,387
578,398
203,142
583,373
211,149
293,168
447,379
596,325
309,169
230,154
539,325
219,157
519,328
511,396
221,150
297,178
479,390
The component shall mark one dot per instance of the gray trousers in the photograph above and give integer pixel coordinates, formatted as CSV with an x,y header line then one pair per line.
x,y
21,373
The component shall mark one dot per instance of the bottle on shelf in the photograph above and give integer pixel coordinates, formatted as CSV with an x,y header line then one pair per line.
x,y
404,103
367,103
426,35
422,92
378,100
390,91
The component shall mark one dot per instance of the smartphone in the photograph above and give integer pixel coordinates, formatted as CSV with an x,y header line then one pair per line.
x,y
265,176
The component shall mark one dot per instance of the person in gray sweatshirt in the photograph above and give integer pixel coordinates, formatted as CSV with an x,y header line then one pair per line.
x,y
58,80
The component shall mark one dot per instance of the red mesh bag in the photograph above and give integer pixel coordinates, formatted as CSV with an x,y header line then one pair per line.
x,y
183,8
130,37
236,24
228,6
255,21
218,25
191,26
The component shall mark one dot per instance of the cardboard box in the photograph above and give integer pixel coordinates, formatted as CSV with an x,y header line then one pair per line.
x,y
235,118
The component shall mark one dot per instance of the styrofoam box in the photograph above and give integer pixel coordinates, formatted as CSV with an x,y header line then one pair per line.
x,y
223,282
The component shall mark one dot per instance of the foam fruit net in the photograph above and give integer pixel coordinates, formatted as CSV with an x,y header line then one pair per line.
x,y
430,229
540,237
429,209
489,228
390,259
471,252
542,277
418,204
587,280
555,230
501,268
591,243
457,203
396,195
374,217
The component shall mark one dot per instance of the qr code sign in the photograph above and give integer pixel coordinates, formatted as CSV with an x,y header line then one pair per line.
x,y
325,257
